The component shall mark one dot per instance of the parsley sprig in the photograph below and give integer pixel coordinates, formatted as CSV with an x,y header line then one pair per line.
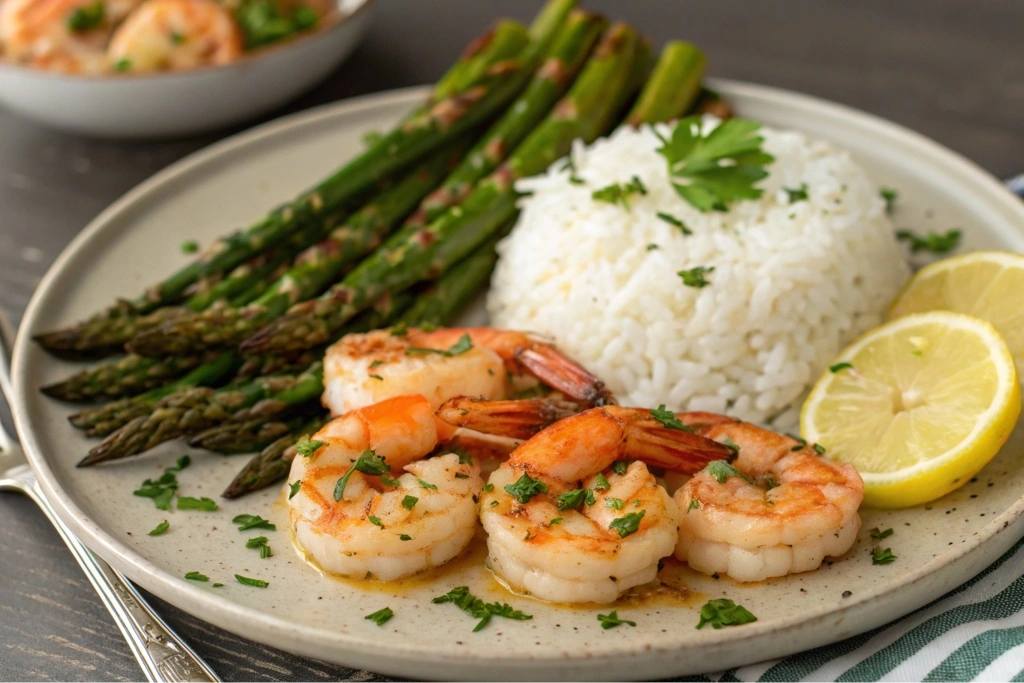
x,y
724,612
526,488
936,243
368,463
668,419
618,193
461,346
478,609
696,277
712,170
162,490
611,620
721,470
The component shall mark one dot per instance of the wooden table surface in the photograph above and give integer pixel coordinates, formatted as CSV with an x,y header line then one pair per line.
x,y
952,70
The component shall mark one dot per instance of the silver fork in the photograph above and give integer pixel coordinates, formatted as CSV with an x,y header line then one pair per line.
x,y
161,653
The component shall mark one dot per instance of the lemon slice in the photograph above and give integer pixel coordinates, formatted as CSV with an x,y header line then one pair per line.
x,y
983,284
925,402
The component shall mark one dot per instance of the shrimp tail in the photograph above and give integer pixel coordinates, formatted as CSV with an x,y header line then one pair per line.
x,y
551,367
678,450
514,419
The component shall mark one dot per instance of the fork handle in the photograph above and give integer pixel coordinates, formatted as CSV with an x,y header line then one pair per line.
x,y
162,655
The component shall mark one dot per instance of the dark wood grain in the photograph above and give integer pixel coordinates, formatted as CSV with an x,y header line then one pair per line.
x,y
953,70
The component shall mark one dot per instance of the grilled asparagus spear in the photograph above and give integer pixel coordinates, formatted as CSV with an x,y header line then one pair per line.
x,y
412,255
477,87
440,304
313,270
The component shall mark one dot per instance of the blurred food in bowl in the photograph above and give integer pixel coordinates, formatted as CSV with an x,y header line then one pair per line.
x,y
141,36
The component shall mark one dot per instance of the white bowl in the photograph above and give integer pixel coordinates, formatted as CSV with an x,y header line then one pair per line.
x,y
180,103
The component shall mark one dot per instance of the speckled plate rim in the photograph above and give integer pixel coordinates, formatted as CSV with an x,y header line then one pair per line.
x,y
626,657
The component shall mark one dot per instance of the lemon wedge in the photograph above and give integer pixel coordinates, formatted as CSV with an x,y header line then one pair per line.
x,y
918,406
983,284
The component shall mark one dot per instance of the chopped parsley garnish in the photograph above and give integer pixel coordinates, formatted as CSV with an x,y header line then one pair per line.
x,y
882,556
374,520
668,419
672,220
611,620
889,195
162,490
840,366
87,17
618,193
731,445
526,488
388,481
694,505
160,528
554,521
712,170
196,576
259,542
216,585
600,483
934,242
204,504
575,498
376,363
464,344
613,503
404,537
293,488
628,524
189,247
399,330
819,449
620,467
797,195
306,448
255,583
487,487
652,247
377,377
122,65
464,457
177,38
427,485
694,277
246,522
724,612
368,462
409,502
478,609
460,475
879,535
721,470
576,180
304,18
380,617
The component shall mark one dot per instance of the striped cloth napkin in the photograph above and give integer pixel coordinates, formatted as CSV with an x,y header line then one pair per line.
x,y
974,633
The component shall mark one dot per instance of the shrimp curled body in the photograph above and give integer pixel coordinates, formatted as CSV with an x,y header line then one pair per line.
x,y
176,34
622,521
423,519
785,512
361,369
41,33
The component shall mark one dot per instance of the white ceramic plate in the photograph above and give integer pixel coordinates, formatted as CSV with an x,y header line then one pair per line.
x,y
938,546
184,102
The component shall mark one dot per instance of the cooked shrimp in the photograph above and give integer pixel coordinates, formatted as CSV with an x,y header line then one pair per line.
x,y
777,509
384,528
362,369
64,35
567,522
176,34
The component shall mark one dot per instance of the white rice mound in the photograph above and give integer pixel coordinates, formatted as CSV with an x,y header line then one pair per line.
x,y
793,283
